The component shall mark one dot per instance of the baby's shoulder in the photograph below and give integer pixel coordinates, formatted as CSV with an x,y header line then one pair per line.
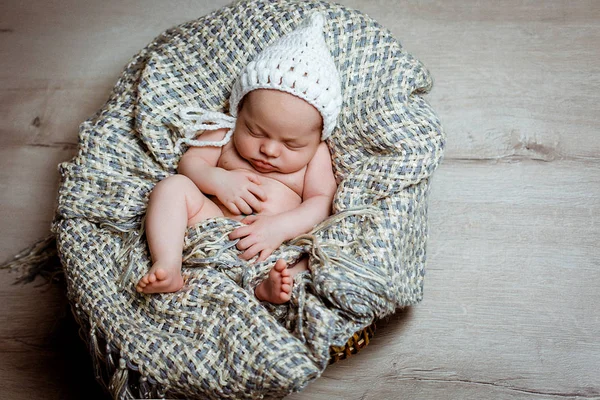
x,y
322,157
319,178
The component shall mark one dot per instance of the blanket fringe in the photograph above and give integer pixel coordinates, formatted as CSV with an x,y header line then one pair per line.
x,y
329,254
123,379
40,259
133,239
118,385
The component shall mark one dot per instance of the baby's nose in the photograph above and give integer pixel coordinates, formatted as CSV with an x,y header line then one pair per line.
x,y
270,148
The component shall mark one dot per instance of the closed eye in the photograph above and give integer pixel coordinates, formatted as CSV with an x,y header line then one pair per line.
x,y
294,145
254,134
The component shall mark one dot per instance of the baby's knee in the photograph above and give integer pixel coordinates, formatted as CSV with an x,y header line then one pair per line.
x,y
174,184
171,189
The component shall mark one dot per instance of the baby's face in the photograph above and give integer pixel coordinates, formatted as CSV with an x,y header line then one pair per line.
x,y
276,131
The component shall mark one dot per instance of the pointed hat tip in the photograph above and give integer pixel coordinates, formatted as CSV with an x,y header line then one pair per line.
x,y
317,20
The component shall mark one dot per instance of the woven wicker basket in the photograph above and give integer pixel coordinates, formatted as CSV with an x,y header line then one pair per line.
x,y
356,343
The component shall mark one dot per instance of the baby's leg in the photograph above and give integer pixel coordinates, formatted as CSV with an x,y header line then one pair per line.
x,y
174,203
277,288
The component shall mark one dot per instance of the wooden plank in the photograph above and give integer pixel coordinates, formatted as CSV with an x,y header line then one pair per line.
x,y
512,78
28,186
61,59
73,39
511,295
41,354
47,112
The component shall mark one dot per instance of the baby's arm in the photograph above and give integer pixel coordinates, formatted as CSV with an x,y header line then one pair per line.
x,y
197,162
237,190
319,189
264,234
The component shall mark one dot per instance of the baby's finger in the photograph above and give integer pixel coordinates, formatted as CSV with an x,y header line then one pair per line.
x,y
249,219
250,252
243,206
246,243
258,192
240,232
252,177
253,202
264,255
233,208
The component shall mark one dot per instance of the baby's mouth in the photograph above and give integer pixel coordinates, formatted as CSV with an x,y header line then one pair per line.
x,y
263,165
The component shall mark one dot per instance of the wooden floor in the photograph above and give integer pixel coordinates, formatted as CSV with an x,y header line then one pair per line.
x,y
511,307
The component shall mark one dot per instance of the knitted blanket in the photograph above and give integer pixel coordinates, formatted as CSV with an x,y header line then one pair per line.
x,y
213,339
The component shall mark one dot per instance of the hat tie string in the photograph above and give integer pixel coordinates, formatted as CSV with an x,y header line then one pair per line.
x,y
202,119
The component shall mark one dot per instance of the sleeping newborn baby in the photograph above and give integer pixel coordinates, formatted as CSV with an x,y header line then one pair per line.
x,y
271,169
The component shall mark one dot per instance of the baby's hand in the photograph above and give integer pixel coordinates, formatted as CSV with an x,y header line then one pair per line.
x,y
261,235
240,192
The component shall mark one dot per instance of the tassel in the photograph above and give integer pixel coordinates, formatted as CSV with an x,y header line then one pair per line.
x,y
94,352
119,382
144,388
155,388
110,364
161,392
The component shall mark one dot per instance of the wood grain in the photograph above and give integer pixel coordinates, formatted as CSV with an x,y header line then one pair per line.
x,y
511,295
512,78
41,354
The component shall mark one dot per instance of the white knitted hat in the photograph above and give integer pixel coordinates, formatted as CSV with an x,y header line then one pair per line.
x,y
298,63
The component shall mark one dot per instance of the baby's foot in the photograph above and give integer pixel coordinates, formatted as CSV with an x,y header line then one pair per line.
x,y
161,279
277,288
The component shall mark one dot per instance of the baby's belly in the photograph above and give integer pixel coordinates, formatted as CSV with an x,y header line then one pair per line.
x,y
280,198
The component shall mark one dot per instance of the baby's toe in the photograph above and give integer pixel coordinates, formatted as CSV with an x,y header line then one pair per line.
x,y
280,265
284,297
161,274
285,272
286,288
287,280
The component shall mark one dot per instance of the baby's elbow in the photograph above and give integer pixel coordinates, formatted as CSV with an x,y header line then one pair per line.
x,y
326,201
327,193
182,164
330,190
187,161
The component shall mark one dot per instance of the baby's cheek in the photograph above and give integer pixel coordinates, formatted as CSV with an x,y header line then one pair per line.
x,y
296,161
243,145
